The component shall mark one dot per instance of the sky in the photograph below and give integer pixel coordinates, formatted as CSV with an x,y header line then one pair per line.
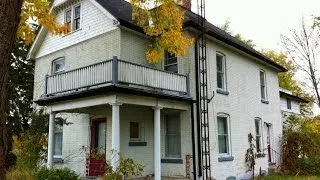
x,y
263,21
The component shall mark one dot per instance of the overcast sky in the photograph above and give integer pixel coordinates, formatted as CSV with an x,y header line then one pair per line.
x,y
263,21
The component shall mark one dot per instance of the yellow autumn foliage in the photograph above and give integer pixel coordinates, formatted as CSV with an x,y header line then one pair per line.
x,y
164,24
38,11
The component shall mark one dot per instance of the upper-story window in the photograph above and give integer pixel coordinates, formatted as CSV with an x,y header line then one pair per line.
x,y
72,17
58,65
263,85
288,103
221,71
171,62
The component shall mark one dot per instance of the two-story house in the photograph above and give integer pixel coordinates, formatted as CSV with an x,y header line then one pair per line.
x,y
97,78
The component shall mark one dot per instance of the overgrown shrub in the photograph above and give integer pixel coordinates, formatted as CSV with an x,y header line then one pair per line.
x,y
18,174
301,144
127,168
309,166
55,174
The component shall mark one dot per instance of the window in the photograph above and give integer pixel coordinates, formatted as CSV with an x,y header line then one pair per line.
x,y
171,63
57,152
67,19
263,86
223,134
172,136
76,20
134,131
58,65
221,71
258,128
288,103
72,18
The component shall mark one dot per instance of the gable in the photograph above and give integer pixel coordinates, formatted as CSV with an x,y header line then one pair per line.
x,y
94,21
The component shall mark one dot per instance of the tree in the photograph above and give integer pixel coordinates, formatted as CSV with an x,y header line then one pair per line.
x,y
164,24
226,27
287,79
21,75
14,20
302,46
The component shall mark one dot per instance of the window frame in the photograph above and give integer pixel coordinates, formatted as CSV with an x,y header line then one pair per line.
x,y
73,18
170,64
58,129
139,132
55,61
65,18
166,119
224,71
260,134
229,149
264,85
76,18
289,103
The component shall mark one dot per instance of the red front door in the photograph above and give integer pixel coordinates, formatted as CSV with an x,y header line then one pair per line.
x,y
97,161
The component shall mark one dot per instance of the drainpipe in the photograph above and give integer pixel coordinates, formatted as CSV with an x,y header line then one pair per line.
x,y
193,143
198,108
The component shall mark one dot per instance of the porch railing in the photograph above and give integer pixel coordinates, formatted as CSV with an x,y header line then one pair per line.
x,y
116,72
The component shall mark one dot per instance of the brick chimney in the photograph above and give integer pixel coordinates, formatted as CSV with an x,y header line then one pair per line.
x,y
186,4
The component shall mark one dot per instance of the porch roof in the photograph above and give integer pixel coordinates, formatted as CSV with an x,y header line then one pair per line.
x,y
111,89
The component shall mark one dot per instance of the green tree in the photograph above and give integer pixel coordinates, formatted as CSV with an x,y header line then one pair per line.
x,y
226,27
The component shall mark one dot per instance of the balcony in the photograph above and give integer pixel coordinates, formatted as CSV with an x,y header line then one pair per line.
x,y
116,73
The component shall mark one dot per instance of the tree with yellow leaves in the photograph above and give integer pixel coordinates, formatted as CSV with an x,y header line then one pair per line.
x,y
164,24
15,16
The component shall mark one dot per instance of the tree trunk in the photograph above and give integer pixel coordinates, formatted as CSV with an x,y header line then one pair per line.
x,y
10,11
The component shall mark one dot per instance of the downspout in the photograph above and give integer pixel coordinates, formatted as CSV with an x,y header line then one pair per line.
x,y
193,143
198,108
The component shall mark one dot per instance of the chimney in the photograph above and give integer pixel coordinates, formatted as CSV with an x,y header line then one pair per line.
x,y
186,4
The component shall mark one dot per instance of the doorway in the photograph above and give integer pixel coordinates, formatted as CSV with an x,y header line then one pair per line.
x,y
97,159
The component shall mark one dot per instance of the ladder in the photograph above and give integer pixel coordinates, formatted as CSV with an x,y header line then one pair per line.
x,y
203,93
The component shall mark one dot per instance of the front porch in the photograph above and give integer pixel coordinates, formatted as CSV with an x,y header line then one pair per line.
x,y
154,132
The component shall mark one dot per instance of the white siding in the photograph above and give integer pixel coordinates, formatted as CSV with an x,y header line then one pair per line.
x,y
93,23
295,106
243,104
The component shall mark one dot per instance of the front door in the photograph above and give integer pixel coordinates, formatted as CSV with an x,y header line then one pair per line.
x,y
97,161
269,141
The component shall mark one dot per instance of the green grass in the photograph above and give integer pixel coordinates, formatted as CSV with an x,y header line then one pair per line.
x,y
287,177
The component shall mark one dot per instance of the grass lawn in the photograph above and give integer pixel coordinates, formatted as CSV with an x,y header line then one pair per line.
x,y
285,177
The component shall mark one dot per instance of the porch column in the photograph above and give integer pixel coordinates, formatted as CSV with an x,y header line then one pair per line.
x,y
115,141
157,144
51,139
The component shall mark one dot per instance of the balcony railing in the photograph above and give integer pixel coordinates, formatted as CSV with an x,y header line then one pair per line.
x,y
116,72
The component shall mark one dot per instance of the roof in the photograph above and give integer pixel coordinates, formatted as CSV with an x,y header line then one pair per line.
x,y
122,10
287,93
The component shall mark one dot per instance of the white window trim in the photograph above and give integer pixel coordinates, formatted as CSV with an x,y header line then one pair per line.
x,y
229,153
265,85
164,63
261,134
224,68
53,68
72,8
